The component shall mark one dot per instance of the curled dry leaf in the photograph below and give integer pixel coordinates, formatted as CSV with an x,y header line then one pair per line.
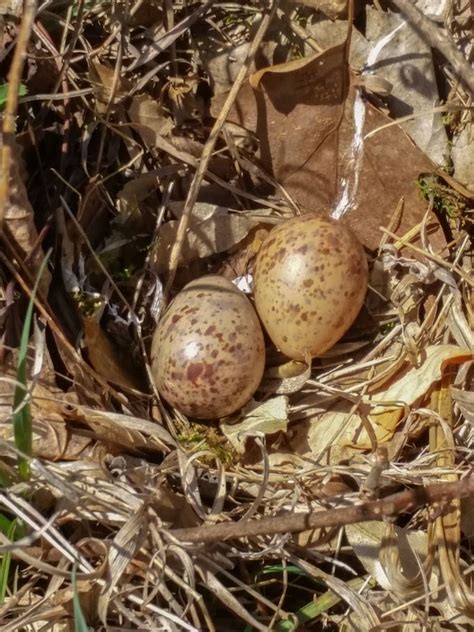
x,y
465,402
340,433
105,358
286,378
125,430
262,418
212,229
19,224
413,384
369,538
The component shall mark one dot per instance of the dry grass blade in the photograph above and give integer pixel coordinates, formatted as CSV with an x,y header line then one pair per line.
x,y
150,143
447,527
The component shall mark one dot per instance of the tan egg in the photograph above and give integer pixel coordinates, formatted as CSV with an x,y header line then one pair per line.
x,y
208,351
310,282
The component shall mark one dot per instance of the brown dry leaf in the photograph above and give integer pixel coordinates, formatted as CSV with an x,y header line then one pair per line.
x,y
52,438
212,229
150,119
174,509
311,127
19,224
105,358
133,194
102,78
238,262
124,430
295,109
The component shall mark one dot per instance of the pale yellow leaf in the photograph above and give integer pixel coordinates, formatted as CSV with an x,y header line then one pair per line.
x,y
367,538
266,418
414,384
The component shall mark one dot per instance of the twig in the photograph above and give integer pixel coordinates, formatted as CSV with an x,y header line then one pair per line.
x,y
430,32
386,509
210,143
14,80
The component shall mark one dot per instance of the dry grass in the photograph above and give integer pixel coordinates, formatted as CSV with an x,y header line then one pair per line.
x,y
115,471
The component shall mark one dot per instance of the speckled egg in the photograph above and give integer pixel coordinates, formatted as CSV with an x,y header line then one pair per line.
x,y
310,282
208,351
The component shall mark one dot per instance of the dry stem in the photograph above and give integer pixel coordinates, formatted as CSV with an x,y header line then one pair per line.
x,y
210,143
386,509
8,128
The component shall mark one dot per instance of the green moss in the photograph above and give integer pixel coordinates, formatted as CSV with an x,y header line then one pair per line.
x,y
445,200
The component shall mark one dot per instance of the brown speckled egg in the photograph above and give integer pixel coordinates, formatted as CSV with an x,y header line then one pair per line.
x,y
310,281
208,352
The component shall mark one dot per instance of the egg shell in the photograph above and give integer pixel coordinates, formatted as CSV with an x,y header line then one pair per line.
x,y
208,351
310,282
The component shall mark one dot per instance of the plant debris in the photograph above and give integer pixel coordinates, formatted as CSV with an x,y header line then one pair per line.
x,y
147,144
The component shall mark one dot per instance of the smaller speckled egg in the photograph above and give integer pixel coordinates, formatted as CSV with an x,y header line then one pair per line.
x,y
310,282
208,351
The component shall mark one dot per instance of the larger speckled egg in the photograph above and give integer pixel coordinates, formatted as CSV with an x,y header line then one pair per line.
x,y
208,352
310,281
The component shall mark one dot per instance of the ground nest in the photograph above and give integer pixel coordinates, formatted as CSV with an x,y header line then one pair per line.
x,y
146,144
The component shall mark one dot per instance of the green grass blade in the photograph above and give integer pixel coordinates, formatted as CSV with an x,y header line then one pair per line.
x,y
22,91
22,425
80,624
314,609
6,561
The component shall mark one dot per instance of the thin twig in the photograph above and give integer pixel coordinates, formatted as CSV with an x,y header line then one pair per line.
x,y
14,81
289,522
431,34
210,143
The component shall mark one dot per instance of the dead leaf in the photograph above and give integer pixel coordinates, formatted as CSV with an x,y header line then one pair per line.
x,y
212,229
263,418
298,146
465,401
19,224
286,378
105,358
405,60
412,385
11,7
105,87
238,262
311,127
125,430
150,119
338,433
132,196
367,540
53,439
